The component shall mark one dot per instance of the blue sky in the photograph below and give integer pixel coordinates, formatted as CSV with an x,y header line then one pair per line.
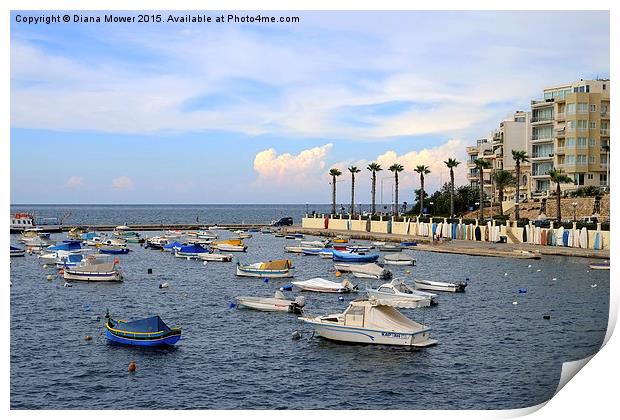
x,y
232,113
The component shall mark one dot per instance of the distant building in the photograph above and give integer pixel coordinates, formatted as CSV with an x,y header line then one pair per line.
x,y
570,131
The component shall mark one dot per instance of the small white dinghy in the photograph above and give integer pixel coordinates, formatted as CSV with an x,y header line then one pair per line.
x,y
278,303
440,286
318,284
365,271
399,258
295,249
214,256
372,322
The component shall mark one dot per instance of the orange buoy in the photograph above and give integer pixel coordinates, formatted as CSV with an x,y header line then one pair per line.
x,y
132,367
338,274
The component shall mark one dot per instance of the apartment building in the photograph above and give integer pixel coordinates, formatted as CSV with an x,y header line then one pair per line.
x,y
513,134
570,131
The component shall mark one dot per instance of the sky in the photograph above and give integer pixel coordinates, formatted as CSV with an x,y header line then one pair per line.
x,y
259,113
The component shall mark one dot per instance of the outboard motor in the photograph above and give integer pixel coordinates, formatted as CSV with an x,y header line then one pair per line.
x,y
298,304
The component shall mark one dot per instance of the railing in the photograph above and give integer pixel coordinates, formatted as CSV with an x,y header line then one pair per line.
x,y
542,119
560,116
537,138
604,132
605,114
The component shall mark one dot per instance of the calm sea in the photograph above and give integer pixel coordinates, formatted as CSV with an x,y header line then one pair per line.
x,y
492,354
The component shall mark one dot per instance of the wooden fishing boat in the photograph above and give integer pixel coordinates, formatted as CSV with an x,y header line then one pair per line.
x,y
147,332
276,269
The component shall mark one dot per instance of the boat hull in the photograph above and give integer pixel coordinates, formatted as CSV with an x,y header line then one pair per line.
x,y
347,334
19,253
244,272
267,304
399,262
440,288
599,266
71,275
167,341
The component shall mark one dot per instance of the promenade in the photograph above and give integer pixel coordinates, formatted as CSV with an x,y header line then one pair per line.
x,y
466,247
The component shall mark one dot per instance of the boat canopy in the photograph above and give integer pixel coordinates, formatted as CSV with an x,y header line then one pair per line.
x,y
380,315
192,249
65,246
277,265
173,245
235,242
89,235
146,325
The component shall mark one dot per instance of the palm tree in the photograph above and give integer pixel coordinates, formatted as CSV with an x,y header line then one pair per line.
x,y
354,170
481,164
334,173
518,156
559,177
422,170
396,168
452,163
502,180
374,167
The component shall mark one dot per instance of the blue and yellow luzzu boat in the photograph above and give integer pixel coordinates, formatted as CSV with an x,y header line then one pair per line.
x,y
147,332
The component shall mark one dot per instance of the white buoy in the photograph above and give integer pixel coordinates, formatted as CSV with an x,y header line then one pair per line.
x,y
594,285
529,266
204,263
515,302
44,265
539,270
554,279
505,274
67,284
164,285
50,277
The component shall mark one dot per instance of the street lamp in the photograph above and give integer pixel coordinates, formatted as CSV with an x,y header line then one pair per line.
x,y
574,211
306,209
430,209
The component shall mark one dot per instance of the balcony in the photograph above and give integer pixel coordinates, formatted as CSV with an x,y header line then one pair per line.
x,y
605,115
541,120
560,116
573,167
559,150
542,104
535,139
604,132
539,175
560,132
471,150
542,157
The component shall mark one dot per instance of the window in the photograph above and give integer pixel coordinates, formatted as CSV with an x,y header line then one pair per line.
x,y
571,125
590,176
571,142
582,159
582,142
592,142
579,179
592,124
570,108
603,179
591,159
603,159
592,108
540,133
582,124
570,159
582,107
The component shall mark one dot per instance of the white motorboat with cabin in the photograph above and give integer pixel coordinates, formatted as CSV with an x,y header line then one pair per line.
x,y
397,290
440,286
371,322
318,284
278,303
93,269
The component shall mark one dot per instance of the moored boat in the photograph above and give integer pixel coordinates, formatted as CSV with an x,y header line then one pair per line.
x,y
399,259
93,269
278,303
294,249
275,269
346,256
600,266
397,290
147,332
390,248
371,322
190,251
440,286
321,285
214,256
17,252
230,245
113,249
369,271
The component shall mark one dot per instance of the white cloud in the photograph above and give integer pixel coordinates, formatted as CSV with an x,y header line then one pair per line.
x,y
74,182
286,169
122,183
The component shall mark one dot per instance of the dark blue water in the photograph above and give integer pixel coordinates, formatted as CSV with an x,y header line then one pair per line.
x,y
171,214
491,354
